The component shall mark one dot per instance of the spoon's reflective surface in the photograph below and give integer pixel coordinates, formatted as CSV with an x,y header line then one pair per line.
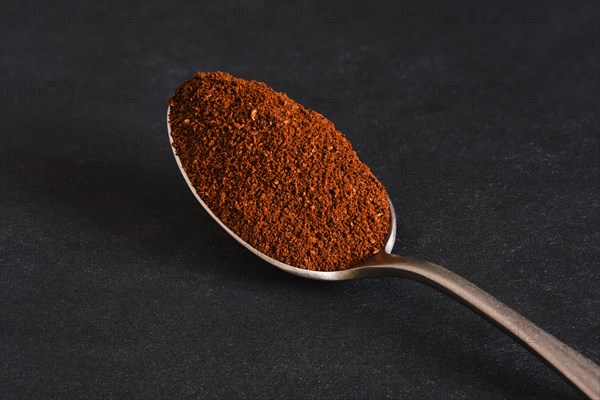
x,y
574,367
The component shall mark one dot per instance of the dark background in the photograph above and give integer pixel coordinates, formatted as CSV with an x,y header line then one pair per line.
x,y
480,119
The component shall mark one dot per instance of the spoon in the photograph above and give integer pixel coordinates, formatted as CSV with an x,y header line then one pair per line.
x,y
578,370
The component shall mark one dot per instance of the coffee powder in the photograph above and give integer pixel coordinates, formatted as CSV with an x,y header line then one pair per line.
x,y
277,174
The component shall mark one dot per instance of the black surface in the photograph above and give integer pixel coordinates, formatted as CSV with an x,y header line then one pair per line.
x,y
116,284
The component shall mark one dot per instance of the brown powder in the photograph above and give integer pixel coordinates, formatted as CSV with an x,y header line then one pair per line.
x,y
277,174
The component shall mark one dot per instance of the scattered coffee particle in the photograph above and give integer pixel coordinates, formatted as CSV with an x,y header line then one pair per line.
x,y
277,174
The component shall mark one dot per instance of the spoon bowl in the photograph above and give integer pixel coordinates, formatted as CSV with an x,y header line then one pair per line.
x,y
576,369
357,271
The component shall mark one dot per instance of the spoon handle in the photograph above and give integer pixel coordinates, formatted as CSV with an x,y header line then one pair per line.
x,y
574,367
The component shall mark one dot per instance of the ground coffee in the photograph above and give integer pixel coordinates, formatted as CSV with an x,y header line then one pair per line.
x,y
277,174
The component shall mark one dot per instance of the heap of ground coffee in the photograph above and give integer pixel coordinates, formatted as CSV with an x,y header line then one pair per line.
x,y
277,174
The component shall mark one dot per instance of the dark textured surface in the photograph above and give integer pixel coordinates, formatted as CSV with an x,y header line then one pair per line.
x,y
116,284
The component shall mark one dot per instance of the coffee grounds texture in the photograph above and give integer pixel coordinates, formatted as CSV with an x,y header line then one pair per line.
x,y
279,175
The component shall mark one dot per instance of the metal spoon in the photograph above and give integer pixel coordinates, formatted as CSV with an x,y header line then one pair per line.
x,y
578,370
